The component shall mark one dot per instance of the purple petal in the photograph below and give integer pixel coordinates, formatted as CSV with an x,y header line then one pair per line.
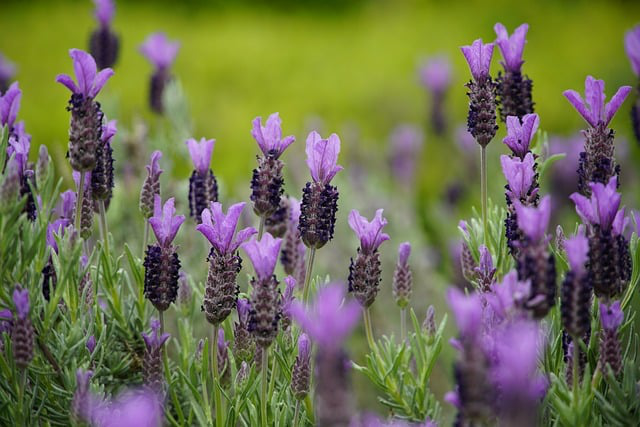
x,y
533,221
153,168
632,47
322,157
263,254
611,316
404,250
594,97
615,103
511,47
159,50
100,81
85,69
21,302
584,208
104,12
200,153
68,82
467,310
577,248
576,100
9,105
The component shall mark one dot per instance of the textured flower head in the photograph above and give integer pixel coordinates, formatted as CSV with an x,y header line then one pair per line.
x,y
159,50
263,254
322,157
602,207
519,175
105,9
200,153
90,82
153,168
269,137
287,296
304,347
632,46
369,233
520,134
7,68
435,74
467,310
56,228
478,56
109,130
154,340
611,316
533,221
19,145
220,229
329,319
404,250
511,47
577,248
164,222
9,105
21,302
593,108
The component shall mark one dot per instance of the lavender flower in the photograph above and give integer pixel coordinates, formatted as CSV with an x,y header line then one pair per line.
x,y
435,75
22,337
104,43
319,198
10,105
467,262
83,404
576,293
161,53
269,137
485,271
86,211
91,344
507,299
221,289
602,209
151,185
521,178
593,108
7,71
152,371
405,144
481,120
102,182
611,317
42,166
203,187
520,133
632,47
287,300
364,271
86,117
402,277
301,373
131,409
514,89
161,262
265,299
533,221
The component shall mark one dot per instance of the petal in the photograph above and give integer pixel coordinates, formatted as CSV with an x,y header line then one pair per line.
x,y
100,81
85,69
583,208
68,82
615,103
576,100
530,123
594,96
256,132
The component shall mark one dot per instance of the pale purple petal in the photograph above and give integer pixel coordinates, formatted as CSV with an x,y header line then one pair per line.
x,y
519,174
109,130
100,81
594,97
467,310
620,223
435,74
533,221
21,302
584,208
219,228
164,223
632,47
576,100
615,103
159,50
9,105
478,56
67,81
304,347
511,47
200,153
322,157
104,12
404,250
269,137
369,233
577,248
263,254
611,316
85,69
153,168
7,68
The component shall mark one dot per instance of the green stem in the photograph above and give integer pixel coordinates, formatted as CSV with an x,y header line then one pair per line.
x,y
216,378
307,277
367,328
403,323
145,239
263,391
296,414
103,226
79,195
21,392
261,227
483,190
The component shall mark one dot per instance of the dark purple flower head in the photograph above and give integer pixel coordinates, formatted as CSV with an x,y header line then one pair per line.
x,y
9,105
287,296
329,319
105,9
19,144
322,157
7,68
200,153
520,134
577,248
404,250
164,222
244,307
369,233
220,229
21,302
109,130
611,316
66,205
90,82
593,108
154,340
304,347
435,74
467,310
56,228
91,344
269,137
602,207
632,46
519,174
159,50
263,254
511,47
533,221
478,56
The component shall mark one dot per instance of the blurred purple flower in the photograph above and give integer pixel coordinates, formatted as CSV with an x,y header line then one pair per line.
x,y
632,47
533,221
21,302
465,141
243,306
287,297
406,142
520,134
154,340
141,408
611,315
263,254
200,153
7,70
164,222
89,81
56,228
223,345
91,344
478,56
9,105
467,310
435,74
520,175
602,207
329,319
66,205
304,347
593,108
369,233
322,157
511,47
269,137
19,145
404,250
105,9
507,295
159,50
220,229
153,168
109,130
577,249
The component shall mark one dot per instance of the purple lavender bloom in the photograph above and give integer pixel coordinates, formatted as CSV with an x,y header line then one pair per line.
x,y
369,233
632,47
533,221
435,74
21,302
243,306
200,153
132,409
467,310
19,144
611,316
159,50
154,340
287,297
164,222
56,228
223,345
485,271
520,134
520,175
153,168
511,47
593,108
269,137
263,255
508,295
322,157
91,344
105,9
9,105
406,142
7,71
478,56
220,229
90,82
304,347
577,248
602,207
66,205
151,185
404,250
109,130
329,320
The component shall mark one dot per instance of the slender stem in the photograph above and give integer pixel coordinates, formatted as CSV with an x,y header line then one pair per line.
x,y
216,378
272,380
21,392
103,226
263,391
261,227
79,195
403,323
367,328
483,190
296,414
145,239
307,277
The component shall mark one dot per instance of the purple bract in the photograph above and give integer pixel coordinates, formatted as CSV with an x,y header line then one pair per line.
x,y
90,82
200,153
519,175
269,137
105,9
593,108
603,206
511,47
533,221
369,233
21,301
263,254
322,157
478,56
159,50
164,222
520,134
611,315
220,229
632,47
9,105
